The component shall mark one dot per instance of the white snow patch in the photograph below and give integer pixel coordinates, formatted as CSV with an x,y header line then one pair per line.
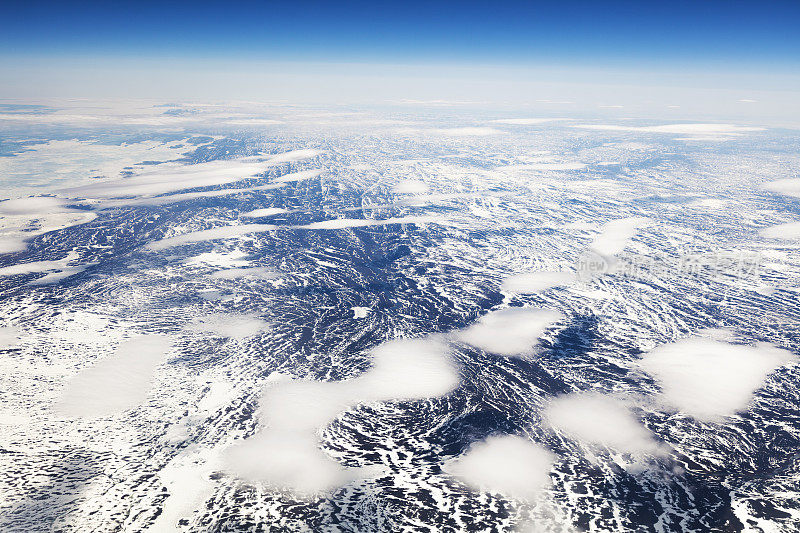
x,y
361,312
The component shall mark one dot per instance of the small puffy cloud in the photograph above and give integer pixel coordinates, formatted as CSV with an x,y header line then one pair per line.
x,y
789,187
615,235
344,223
264,212
116,383
293,156
510,465
224,232
9,336
298,176
246,272
709,379
285,453
534,282
600,420
408,369
789,231
288,460
410,187
510,332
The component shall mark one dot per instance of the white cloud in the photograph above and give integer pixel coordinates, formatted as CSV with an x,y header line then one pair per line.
x,y
512,331
174,198
288,460
709,379
527,121
229,232
710,203
789,187
298,176
615,235
32,205
343,223
249,272
512,466
542,166
235,326
361,312
692,129
789,231
253,122
600,419
285,453
410,187
21,219
533,282
235,258
170,177
65,163
224,232
57,269
408,369
293,156
264,212
469,131
9,336
116,383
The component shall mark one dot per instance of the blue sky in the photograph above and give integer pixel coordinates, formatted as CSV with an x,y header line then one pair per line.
x,y
594,52
510,33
